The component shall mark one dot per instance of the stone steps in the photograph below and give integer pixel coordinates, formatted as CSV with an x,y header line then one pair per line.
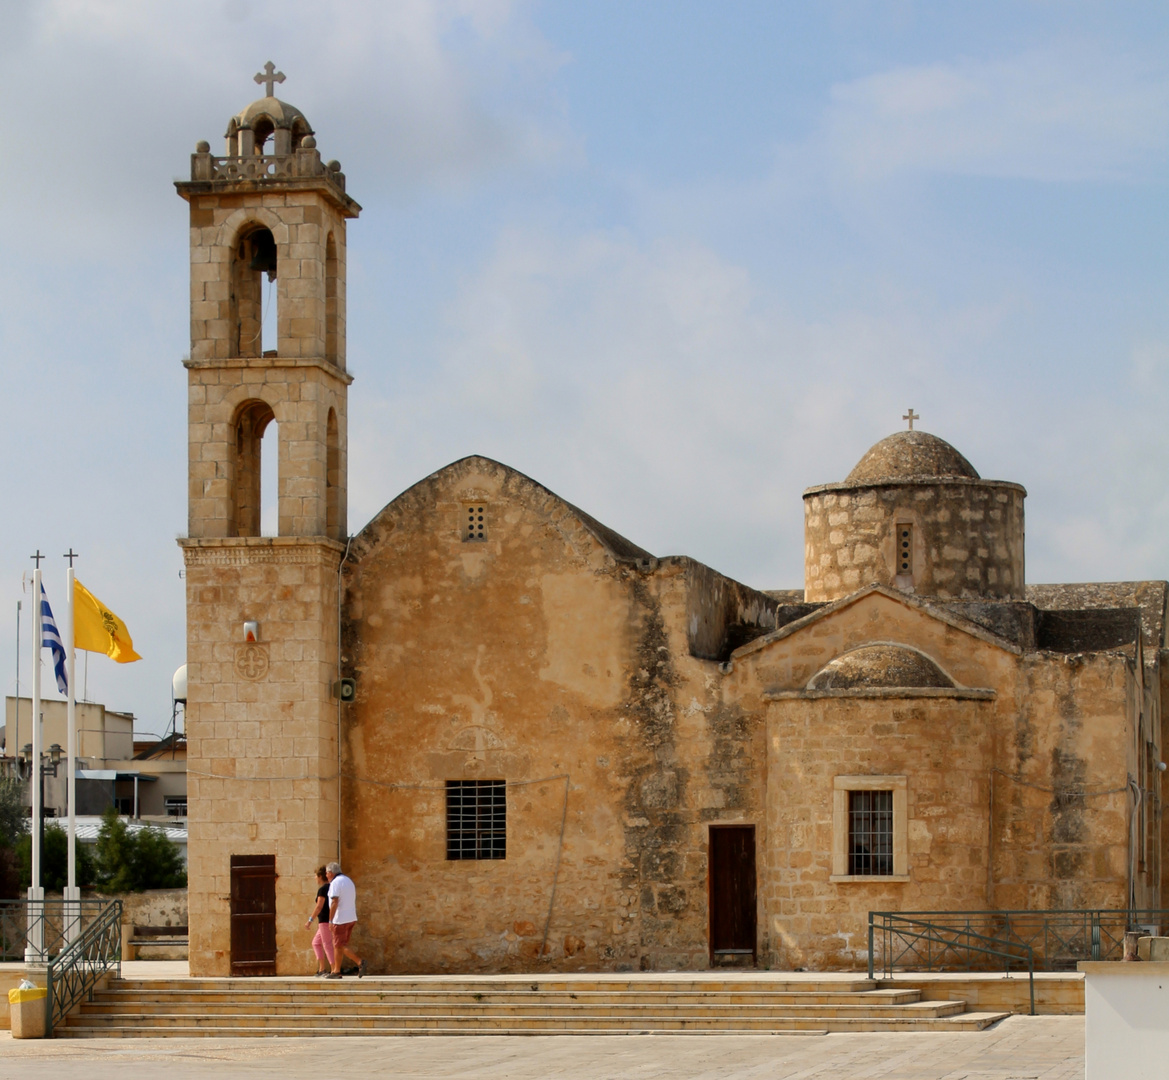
x,y
140,1012
515,1006
201,1000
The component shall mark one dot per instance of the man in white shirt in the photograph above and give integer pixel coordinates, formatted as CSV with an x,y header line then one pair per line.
x,y
342,916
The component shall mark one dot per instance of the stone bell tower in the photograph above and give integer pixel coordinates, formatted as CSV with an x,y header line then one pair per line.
x,y
267,235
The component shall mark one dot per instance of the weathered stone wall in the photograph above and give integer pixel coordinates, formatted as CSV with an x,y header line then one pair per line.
x,y
538,657
967,539
261,730
721,613
943,746
1062,805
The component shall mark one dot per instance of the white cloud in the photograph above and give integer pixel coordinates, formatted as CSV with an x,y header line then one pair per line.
x,y
406,94
1060,113
657,387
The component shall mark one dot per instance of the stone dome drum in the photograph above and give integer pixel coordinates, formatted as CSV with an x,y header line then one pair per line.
x,y
914,515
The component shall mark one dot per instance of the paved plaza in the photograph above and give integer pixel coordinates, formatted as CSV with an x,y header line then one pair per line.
x,y
1019,1048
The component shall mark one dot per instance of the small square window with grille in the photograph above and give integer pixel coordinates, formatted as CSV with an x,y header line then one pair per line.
x,y
476,819
475,521
870,832
904,549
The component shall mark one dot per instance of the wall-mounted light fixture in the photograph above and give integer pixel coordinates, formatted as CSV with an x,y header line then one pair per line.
x,y
251,630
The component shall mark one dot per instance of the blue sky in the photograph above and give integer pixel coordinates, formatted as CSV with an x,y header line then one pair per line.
x,y
676,261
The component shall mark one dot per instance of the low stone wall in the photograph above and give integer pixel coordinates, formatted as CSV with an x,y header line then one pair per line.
x,y
1056,993
154,907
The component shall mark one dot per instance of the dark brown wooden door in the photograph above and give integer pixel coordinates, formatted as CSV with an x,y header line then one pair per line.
x,y
732,891
253,914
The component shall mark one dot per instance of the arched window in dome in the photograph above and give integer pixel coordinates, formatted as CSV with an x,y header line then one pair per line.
x,y
253,420
254,317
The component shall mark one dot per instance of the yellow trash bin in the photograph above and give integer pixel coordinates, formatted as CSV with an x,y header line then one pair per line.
x,y
26,1009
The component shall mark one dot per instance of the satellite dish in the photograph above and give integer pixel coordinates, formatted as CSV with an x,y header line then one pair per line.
x,y
179,685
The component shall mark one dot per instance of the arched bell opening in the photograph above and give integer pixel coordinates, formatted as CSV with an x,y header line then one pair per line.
x,y
253,420
232,138
253,316
332,302
334,527
300,132
262,130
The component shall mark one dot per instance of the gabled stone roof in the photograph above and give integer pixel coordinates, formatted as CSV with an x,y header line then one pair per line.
x,y
616,545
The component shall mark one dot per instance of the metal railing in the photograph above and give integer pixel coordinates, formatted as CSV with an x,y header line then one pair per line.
x,y
75,971
933,946
1053,939
1058,937
21,920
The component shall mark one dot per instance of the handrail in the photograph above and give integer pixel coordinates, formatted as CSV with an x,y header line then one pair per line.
x,y
74,972
917,930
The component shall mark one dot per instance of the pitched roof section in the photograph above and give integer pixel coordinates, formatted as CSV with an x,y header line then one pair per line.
x,y
934,611
1150,597
614,544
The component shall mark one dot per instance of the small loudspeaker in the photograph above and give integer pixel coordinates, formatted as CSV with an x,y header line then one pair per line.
x,y
345,690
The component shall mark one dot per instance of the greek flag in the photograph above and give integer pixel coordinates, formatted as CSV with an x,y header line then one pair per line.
x,y
51,639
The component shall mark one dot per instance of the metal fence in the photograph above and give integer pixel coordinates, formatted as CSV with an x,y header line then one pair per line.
x,y
1049,940
20,920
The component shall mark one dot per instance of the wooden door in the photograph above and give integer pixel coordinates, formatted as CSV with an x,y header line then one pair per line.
x,y
732,892
253,914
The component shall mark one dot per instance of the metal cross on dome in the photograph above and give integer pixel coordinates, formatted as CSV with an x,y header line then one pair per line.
x,y
269,76
911,416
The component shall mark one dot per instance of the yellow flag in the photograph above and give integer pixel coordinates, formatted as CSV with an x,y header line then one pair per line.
x,y
97,629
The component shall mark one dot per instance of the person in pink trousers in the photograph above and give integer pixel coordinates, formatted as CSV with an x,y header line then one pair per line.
x,y
323,939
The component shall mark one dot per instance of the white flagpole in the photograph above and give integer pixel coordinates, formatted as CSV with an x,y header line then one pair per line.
x,y
72,891
34,952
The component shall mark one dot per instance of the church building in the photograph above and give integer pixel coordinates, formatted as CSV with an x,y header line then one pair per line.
x,y
536,746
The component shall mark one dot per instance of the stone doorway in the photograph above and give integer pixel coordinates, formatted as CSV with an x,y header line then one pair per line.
x,y
253,915
732,895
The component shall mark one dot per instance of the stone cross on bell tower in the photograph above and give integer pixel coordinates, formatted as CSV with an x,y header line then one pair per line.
x,y
269,76
266,379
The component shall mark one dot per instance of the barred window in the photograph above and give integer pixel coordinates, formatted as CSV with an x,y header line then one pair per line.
x,y
476,819
475,523
870,832
905,549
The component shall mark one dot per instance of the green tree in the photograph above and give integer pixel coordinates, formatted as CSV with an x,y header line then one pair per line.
x,y
13,821
115,854
159,861
131,862
54,860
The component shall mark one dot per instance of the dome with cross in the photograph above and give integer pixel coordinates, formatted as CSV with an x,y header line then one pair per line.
x,y
914,515
908,455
